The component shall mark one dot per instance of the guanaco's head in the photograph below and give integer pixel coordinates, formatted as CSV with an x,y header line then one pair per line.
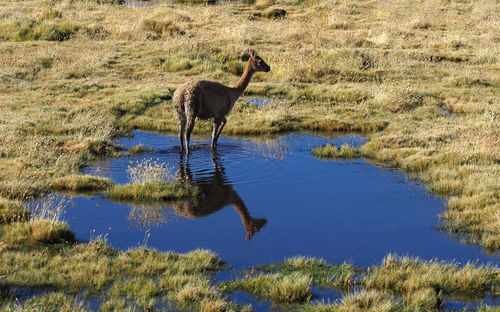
x,y
258,63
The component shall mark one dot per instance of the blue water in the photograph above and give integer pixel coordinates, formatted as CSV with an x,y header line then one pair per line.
x,y
269,199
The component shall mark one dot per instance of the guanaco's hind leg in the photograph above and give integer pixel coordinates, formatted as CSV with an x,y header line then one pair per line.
x,y
182,128
189,129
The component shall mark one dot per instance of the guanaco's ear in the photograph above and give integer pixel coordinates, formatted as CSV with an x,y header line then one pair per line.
x,y
252,53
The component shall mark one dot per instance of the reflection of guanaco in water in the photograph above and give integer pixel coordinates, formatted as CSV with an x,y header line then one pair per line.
x,y
216,194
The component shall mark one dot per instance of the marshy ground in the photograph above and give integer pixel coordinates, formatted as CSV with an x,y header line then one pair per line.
x,y
418,79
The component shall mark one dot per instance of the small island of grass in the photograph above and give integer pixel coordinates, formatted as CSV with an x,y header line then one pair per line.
x,y
151,180
152,191
332,151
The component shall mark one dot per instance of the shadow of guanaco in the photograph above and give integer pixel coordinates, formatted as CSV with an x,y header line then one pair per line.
x,y
217,193
205,100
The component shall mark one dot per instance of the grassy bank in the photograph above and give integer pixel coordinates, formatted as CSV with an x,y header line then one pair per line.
x,y
418,79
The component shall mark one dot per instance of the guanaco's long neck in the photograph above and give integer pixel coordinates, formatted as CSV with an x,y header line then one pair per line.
x,y
242,84
242,210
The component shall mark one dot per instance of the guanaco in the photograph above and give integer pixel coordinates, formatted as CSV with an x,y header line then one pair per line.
x,y
211,100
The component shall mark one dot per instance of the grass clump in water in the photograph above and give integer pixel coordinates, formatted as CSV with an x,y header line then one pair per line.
x,y
424,283
152,191
45,225
151,181
56,301
360,301
38,231
323,274
332,151
289,288
191,293
368,301
81,183
137,149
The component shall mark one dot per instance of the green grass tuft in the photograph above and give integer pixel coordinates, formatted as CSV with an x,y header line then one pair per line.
x,y
424,283
56,301
81,183
368,301
12,211
331,151
136,149
290,288
323,274
163,28
38,231
48,31
152,191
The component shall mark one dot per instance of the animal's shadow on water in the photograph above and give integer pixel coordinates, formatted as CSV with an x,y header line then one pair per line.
x,y
216,192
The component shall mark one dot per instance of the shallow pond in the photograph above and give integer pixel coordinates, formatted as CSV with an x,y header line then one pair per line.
x,y
268,199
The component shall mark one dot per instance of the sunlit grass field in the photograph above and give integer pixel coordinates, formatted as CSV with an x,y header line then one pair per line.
x,y
419,79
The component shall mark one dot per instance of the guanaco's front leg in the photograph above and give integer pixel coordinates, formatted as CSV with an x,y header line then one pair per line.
x,y
215,135
220,130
